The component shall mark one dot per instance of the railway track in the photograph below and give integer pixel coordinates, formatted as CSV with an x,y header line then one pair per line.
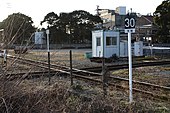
x,y
91,79
87,75
28,75
126,66
141,83
92,71
53,67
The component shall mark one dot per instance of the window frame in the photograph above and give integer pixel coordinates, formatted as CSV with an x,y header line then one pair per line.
x,y
98,41
111,41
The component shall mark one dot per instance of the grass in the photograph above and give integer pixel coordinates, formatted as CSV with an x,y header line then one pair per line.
x,y
120,72
35,95
151,74
38,96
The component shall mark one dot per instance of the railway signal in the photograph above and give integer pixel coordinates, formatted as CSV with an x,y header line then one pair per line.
x,y
130,28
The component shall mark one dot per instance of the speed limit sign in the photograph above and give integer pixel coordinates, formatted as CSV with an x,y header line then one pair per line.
x,y
130,28
130,24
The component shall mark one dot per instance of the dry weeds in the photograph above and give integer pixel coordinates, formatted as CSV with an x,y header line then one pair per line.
x,y
36,96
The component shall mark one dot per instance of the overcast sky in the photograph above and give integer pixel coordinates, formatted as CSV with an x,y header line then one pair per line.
x,y
37,9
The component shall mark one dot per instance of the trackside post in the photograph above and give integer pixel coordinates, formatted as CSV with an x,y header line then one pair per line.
x,y
130,28
48,50
71,73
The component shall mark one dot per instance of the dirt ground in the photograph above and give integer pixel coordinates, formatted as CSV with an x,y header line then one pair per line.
x,y
36,95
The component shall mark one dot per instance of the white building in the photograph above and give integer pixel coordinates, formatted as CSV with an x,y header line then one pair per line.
x,y
121,10
105,43
124,48
138,48
112,18
39,38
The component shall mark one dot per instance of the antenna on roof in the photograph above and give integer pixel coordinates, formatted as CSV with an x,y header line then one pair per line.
x,y
130,10
97,9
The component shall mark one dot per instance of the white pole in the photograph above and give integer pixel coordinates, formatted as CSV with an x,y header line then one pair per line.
x,y
5,57
48,49
47,32
130,67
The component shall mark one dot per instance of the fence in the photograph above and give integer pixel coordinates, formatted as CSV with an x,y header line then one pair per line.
x,y
63,46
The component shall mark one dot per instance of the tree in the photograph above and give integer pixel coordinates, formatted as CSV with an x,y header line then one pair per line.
x,y
78,23
82,24
162,20
51,19
18,29
56,26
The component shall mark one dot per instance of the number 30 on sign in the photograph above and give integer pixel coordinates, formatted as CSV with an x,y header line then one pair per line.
x,y
129,24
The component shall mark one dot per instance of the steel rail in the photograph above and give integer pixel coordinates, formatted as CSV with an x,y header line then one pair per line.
x,y
126,88
64,69
27,75
77,73
125,66
141,83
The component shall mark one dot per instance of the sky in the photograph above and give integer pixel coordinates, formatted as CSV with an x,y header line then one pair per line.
x,y
38,9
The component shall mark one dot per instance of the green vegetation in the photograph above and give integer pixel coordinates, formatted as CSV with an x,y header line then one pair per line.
x,y
73,27
162,19
18,29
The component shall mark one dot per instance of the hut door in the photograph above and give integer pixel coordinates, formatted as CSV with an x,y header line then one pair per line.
x,y
98,47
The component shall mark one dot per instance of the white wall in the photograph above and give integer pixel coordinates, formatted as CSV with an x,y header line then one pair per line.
x,y
39,37
103,50
97,50
113,49
138,48
123,49
121,10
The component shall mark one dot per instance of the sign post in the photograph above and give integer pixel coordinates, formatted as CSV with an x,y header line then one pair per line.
x,y
130,28
48,49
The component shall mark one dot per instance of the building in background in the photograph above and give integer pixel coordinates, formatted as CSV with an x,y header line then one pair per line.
x,y
1,38
114,19
40,38
145,28
105,43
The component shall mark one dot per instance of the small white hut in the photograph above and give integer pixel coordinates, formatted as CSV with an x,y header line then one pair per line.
x,y
138,48
105,43
39,38
124,48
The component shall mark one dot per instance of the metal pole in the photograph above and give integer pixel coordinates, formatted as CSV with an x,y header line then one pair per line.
x,y
103,68
130,67
5,57
104,77
48,49
49,68
71,74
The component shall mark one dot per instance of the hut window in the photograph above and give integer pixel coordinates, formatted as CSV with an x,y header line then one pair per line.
x,y
98,41
111,41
